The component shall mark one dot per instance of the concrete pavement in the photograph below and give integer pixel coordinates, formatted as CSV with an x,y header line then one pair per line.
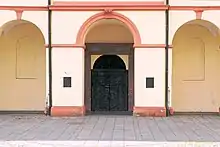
x,y
108,130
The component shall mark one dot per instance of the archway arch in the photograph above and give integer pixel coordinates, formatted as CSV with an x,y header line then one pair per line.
x,y
195,67
96,34
103,16
214,30
109,84
109,62
23,67
8,26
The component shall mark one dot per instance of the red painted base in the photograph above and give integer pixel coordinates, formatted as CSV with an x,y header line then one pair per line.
x,y
67,111
150,111
63,111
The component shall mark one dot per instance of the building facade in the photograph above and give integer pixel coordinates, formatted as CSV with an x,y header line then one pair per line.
x,y
73,57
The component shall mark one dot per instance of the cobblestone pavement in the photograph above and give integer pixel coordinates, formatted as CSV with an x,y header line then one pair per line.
x,y
108,130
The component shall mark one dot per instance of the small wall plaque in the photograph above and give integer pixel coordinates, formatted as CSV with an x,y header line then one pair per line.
x,y
67,82
149,82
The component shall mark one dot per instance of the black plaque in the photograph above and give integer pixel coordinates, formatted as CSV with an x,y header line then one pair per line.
x,y
67,82
149,82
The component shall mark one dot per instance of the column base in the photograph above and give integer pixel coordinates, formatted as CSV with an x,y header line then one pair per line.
x,y
151,111
67,111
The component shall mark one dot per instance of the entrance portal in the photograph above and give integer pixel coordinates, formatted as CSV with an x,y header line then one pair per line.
x,y
109,84
109,67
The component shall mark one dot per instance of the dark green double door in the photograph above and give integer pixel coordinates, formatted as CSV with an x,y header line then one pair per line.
x,y
109,90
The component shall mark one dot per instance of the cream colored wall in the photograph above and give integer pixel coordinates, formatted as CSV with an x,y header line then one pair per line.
x,y
64,29
210,16
68,62
177,19
194,2
149,35
196,81
22,65
6,16
103,0
70,27
149,24
154,21
123,57
23,3
149,97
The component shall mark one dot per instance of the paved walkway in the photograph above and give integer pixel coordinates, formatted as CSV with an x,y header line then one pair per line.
x,y
108,130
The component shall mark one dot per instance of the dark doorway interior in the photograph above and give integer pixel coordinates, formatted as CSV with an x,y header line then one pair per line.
x,y
109,84
114,69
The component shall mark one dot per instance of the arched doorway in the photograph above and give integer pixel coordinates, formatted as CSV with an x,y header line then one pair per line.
x,y
109,84
113,56
22,66
195,68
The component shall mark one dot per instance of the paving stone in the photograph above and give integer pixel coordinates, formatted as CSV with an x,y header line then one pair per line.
x,y
110,128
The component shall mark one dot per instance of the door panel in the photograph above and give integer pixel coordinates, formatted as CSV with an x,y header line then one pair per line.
x,y
109,90
100,91
118,91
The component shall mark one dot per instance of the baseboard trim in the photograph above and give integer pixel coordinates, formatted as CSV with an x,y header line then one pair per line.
x,y
21,112
196,113
110,113
149,111
67,111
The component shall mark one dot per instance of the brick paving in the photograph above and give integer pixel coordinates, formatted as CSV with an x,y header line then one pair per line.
x,y
109,130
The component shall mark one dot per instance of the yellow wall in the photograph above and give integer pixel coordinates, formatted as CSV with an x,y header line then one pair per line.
x,y
23,68
93,59
109,31
196,70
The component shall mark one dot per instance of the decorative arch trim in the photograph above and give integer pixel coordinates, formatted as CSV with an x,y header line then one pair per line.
x,y
80,40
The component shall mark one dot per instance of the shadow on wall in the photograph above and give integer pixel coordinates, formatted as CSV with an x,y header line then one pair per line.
x,y
23,67
195,67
